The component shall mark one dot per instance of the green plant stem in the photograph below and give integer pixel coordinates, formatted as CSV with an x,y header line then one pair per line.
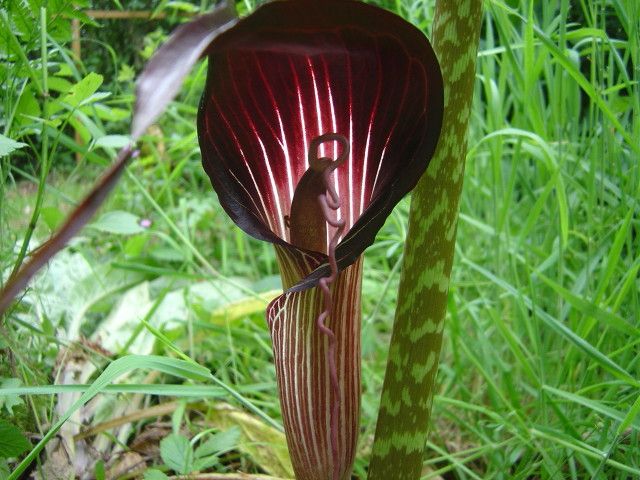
x,y
45,162
407,393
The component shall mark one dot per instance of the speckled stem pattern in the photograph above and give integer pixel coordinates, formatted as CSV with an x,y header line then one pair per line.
x,y
408,389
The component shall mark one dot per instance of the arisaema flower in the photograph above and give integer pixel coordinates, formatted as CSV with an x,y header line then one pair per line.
x,y
306,99
317,118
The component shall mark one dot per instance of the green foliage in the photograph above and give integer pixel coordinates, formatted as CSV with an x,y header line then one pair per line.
x,y
118,222
8,146
153,474
10,401
539,370
118,48
12,441
180,368
180,456
177,453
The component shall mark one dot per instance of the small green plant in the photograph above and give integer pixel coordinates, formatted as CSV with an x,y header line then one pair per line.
x,y
183,456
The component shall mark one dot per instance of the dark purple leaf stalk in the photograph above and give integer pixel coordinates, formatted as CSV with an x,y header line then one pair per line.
x,y
317,118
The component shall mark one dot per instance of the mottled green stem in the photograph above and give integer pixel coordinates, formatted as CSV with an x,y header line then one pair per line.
x,y
408,389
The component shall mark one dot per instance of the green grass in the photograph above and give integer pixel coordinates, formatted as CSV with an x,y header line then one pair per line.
x,y
541,362
540,373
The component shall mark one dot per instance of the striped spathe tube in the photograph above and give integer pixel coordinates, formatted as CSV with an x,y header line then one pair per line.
x,y
317,118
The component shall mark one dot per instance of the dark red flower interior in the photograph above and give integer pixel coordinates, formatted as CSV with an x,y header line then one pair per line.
x,y
295,70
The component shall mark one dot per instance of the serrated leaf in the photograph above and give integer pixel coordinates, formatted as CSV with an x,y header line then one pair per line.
x,y
177,453
10,401
118,222
8,145
12,441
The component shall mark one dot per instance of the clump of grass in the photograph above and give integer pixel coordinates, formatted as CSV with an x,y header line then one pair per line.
x,y
540,367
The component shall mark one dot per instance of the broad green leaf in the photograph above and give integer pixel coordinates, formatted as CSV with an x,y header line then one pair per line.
x,y
135,245
81,129
59,84
9,401
64,71
83,89
52,216
28,108
8,145
12,441
205,463
118,222
86,124
219,443
177,453
153,474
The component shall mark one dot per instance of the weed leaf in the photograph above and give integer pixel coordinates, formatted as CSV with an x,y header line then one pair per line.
x,y
7,145
177,453
12,442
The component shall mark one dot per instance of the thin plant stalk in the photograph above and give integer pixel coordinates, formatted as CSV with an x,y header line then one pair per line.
x,y
407,394
45,163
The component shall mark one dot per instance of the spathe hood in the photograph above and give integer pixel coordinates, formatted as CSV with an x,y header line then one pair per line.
x,y
294,70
